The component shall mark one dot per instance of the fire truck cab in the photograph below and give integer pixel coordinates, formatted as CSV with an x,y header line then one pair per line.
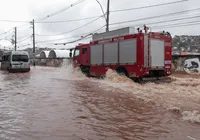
x,y
81,58
134,54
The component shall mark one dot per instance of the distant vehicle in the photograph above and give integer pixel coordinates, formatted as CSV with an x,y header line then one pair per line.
x,y
192,65
15,61
137,55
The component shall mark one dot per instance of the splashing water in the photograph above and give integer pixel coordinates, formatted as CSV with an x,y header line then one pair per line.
x,y
193,116
71,72
181,95
114,77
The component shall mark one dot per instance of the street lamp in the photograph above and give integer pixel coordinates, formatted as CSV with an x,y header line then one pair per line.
x,y
101,9
106,18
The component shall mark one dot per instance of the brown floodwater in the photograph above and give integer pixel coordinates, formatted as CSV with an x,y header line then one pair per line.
x,y
61,104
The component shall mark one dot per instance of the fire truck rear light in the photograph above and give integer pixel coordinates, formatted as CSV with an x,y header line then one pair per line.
x,y
168,72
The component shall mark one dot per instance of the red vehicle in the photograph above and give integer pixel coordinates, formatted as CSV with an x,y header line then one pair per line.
x,y
137,55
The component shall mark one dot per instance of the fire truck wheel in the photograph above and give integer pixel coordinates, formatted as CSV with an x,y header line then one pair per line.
x,y
122,71
137,80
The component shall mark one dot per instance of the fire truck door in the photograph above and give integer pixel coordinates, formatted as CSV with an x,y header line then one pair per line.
x,y
157,51
84,59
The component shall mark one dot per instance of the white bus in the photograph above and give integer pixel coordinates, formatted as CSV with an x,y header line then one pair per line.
x,y
15,61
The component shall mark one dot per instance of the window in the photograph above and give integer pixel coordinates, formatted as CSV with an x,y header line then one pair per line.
x,y
84,50
77,52
23,58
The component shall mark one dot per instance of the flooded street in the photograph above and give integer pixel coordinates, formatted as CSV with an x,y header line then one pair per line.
x,y
60,104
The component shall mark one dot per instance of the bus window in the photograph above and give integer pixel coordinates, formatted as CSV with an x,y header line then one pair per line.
x,y
22,58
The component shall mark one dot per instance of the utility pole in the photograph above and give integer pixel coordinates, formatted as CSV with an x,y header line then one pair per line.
x,y
15,38
108,13
33,43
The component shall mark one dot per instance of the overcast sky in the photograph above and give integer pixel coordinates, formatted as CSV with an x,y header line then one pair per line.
x,y
26,10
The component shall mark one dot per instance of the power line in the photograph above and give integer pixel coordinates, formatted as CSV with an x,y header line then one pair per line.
x,y
4,33
177,25
76,36
24,39
73,29
164,15
11,29
72,20
171,25
24,29
171,20
121,10
156,5
70,42
80,1
60,38
19,21
81,38
174,20
24,45
64,9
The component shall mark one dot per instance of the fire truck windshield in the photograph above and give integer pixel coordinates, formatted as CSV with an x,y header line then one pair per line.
x,y
77,52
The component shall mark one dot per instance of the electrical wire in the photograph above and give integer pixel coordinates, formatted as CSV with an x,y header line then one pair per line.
x,y
150,6
164,15
4,33
72,20
177,25
169,20
18,21
11,29
81,38
75,36
24,45
73,29
64,9
24,39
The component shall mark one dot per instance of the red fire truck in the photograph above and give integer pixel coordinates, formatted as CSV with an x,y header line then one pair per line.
x,y
137,55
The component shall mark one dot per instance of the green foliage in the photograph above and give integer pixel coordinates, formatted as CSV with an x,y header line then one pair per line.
x,y
185,41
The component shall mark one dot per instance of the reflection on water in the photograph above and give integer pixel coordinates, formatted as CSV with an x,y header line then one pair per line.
x,y
60,103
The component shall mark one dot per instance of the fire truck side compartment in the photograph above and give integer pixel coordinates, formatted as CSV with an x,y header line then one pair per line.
x,y
128,51
157,53
96,54
111,53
